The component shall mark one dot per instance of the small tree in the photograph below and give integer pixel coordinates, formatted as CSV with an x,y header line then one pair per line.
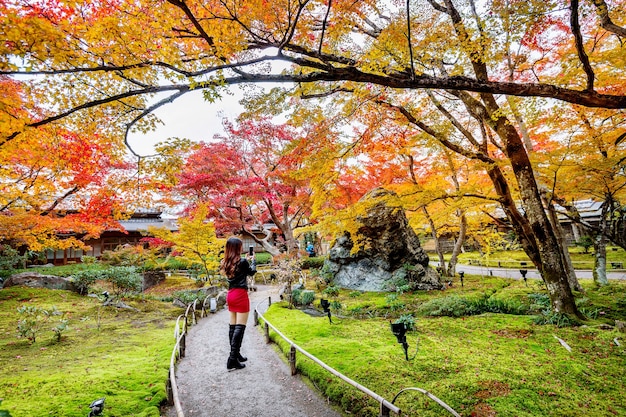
x,y
34,318
585,242
195,240
288,271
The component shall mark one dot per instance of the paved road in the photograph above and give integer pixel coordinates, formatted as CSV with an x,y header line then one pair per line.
x,y
531,274
264,388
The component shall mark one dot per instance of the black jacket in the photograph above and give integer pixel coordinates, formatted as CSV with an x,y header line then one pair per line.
x,y
242,272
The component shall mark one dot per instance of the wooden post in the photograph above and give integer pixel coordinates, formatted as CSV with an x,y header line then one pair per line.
x,y
292,360
169,392
256,318
183,345
267,333
384,411
269,301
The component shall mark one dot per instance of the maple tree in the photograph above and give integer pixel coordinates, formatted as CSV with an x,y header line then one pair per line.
x,y
195,240
56,186
121,53
586,160
250,178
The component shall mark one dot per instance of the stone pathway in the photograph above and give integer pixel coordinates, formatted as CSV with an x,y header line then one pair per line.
x,y
264,388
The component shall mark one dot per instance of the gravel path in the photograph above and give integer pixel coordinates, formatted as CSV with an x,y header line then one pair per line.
x,y
264,388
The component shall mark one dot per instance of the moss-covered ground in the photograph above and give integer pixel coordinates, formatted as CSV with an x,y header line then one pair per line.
x,y
120,354
488,364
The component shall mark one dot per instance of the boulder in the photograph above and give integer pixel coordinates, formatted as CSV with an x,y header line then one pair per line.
x,y
37,280
390,254
152,278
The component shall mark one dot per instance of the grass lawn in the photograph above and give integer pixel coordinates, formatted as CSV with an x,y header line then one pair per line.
x,y
119,354
488,364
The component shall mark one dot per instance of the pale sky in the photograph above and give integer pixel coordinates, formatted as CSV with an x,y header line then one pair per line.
x,y
191,117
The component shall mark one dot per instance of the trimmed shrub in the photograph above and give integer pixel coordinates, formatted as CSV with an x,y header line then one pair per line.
x,y
311,262
83,280
125,279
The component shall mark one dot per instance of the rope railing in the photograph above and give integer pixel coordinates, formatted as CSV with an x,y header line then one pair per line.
x,y
180,336
385,406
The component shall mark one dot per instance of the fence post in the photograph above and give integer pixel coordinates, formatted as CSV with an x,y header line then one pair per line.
x,y
183,345
256,318
267,333
269,301
384,411
169,391
292,360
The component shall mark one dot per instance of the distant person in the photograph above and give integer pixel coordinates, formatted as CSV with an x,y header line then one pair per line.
x,y
310,249
237,270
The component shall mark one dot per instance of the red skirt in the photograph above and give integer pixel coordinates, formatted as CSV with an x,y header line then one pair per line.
x,y
238,301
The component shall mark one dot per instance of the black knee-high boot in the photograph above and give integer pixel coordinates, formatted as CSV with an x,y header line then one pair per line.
x,y
233,362
231,330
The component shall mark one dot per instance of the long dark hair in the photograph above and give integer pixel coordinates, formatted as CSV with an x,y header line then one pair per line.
x,y
232,257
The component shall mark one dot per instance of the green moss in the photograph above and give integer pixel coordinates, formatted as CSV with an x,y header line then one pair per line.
x,y
122,355
486,364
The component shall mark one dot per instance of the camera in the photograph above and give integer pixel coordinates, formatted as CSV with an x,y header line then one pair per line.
x,y
251,250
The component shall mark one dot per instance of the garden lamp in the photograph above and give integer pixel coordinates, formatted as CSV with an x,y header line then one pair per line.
x,y
96,407
326,307
524,272
399,331
461,274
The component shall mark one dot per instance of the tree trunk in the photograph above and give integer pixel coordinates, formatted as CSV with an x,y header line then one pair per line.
x,y
458,246
442,261
599,267
560,235
265,242
553,271
599,245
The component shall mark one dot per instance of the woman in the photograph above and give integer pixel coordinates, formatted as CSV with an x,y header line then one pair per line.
x,y
237,270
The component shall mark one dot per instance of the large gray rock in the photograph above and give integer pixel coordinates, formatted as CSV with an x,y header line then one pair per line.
x,y
37,280
391,254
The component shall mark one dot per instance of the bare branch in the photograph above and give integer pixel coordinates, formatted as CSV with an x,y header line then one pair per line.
x,y
408,35
605,20
580,47
441,138
324,23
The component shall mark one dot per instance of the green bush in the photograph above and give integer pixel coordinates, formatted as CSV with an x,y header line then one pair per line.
x,y
302,297
125,279
453,306
312,262
556,319
307,297
10,259
188,296
83,280
539,302
174,263
331,291
394,302
88,260
263,258
34,318
408,320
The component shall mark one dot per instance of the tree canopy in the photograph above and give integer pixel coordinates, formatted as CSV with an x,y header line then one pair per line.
x,y
471,78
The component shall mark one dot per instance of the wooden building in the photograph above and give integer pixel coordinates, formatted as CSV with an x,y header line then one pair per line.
x,y
131,232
